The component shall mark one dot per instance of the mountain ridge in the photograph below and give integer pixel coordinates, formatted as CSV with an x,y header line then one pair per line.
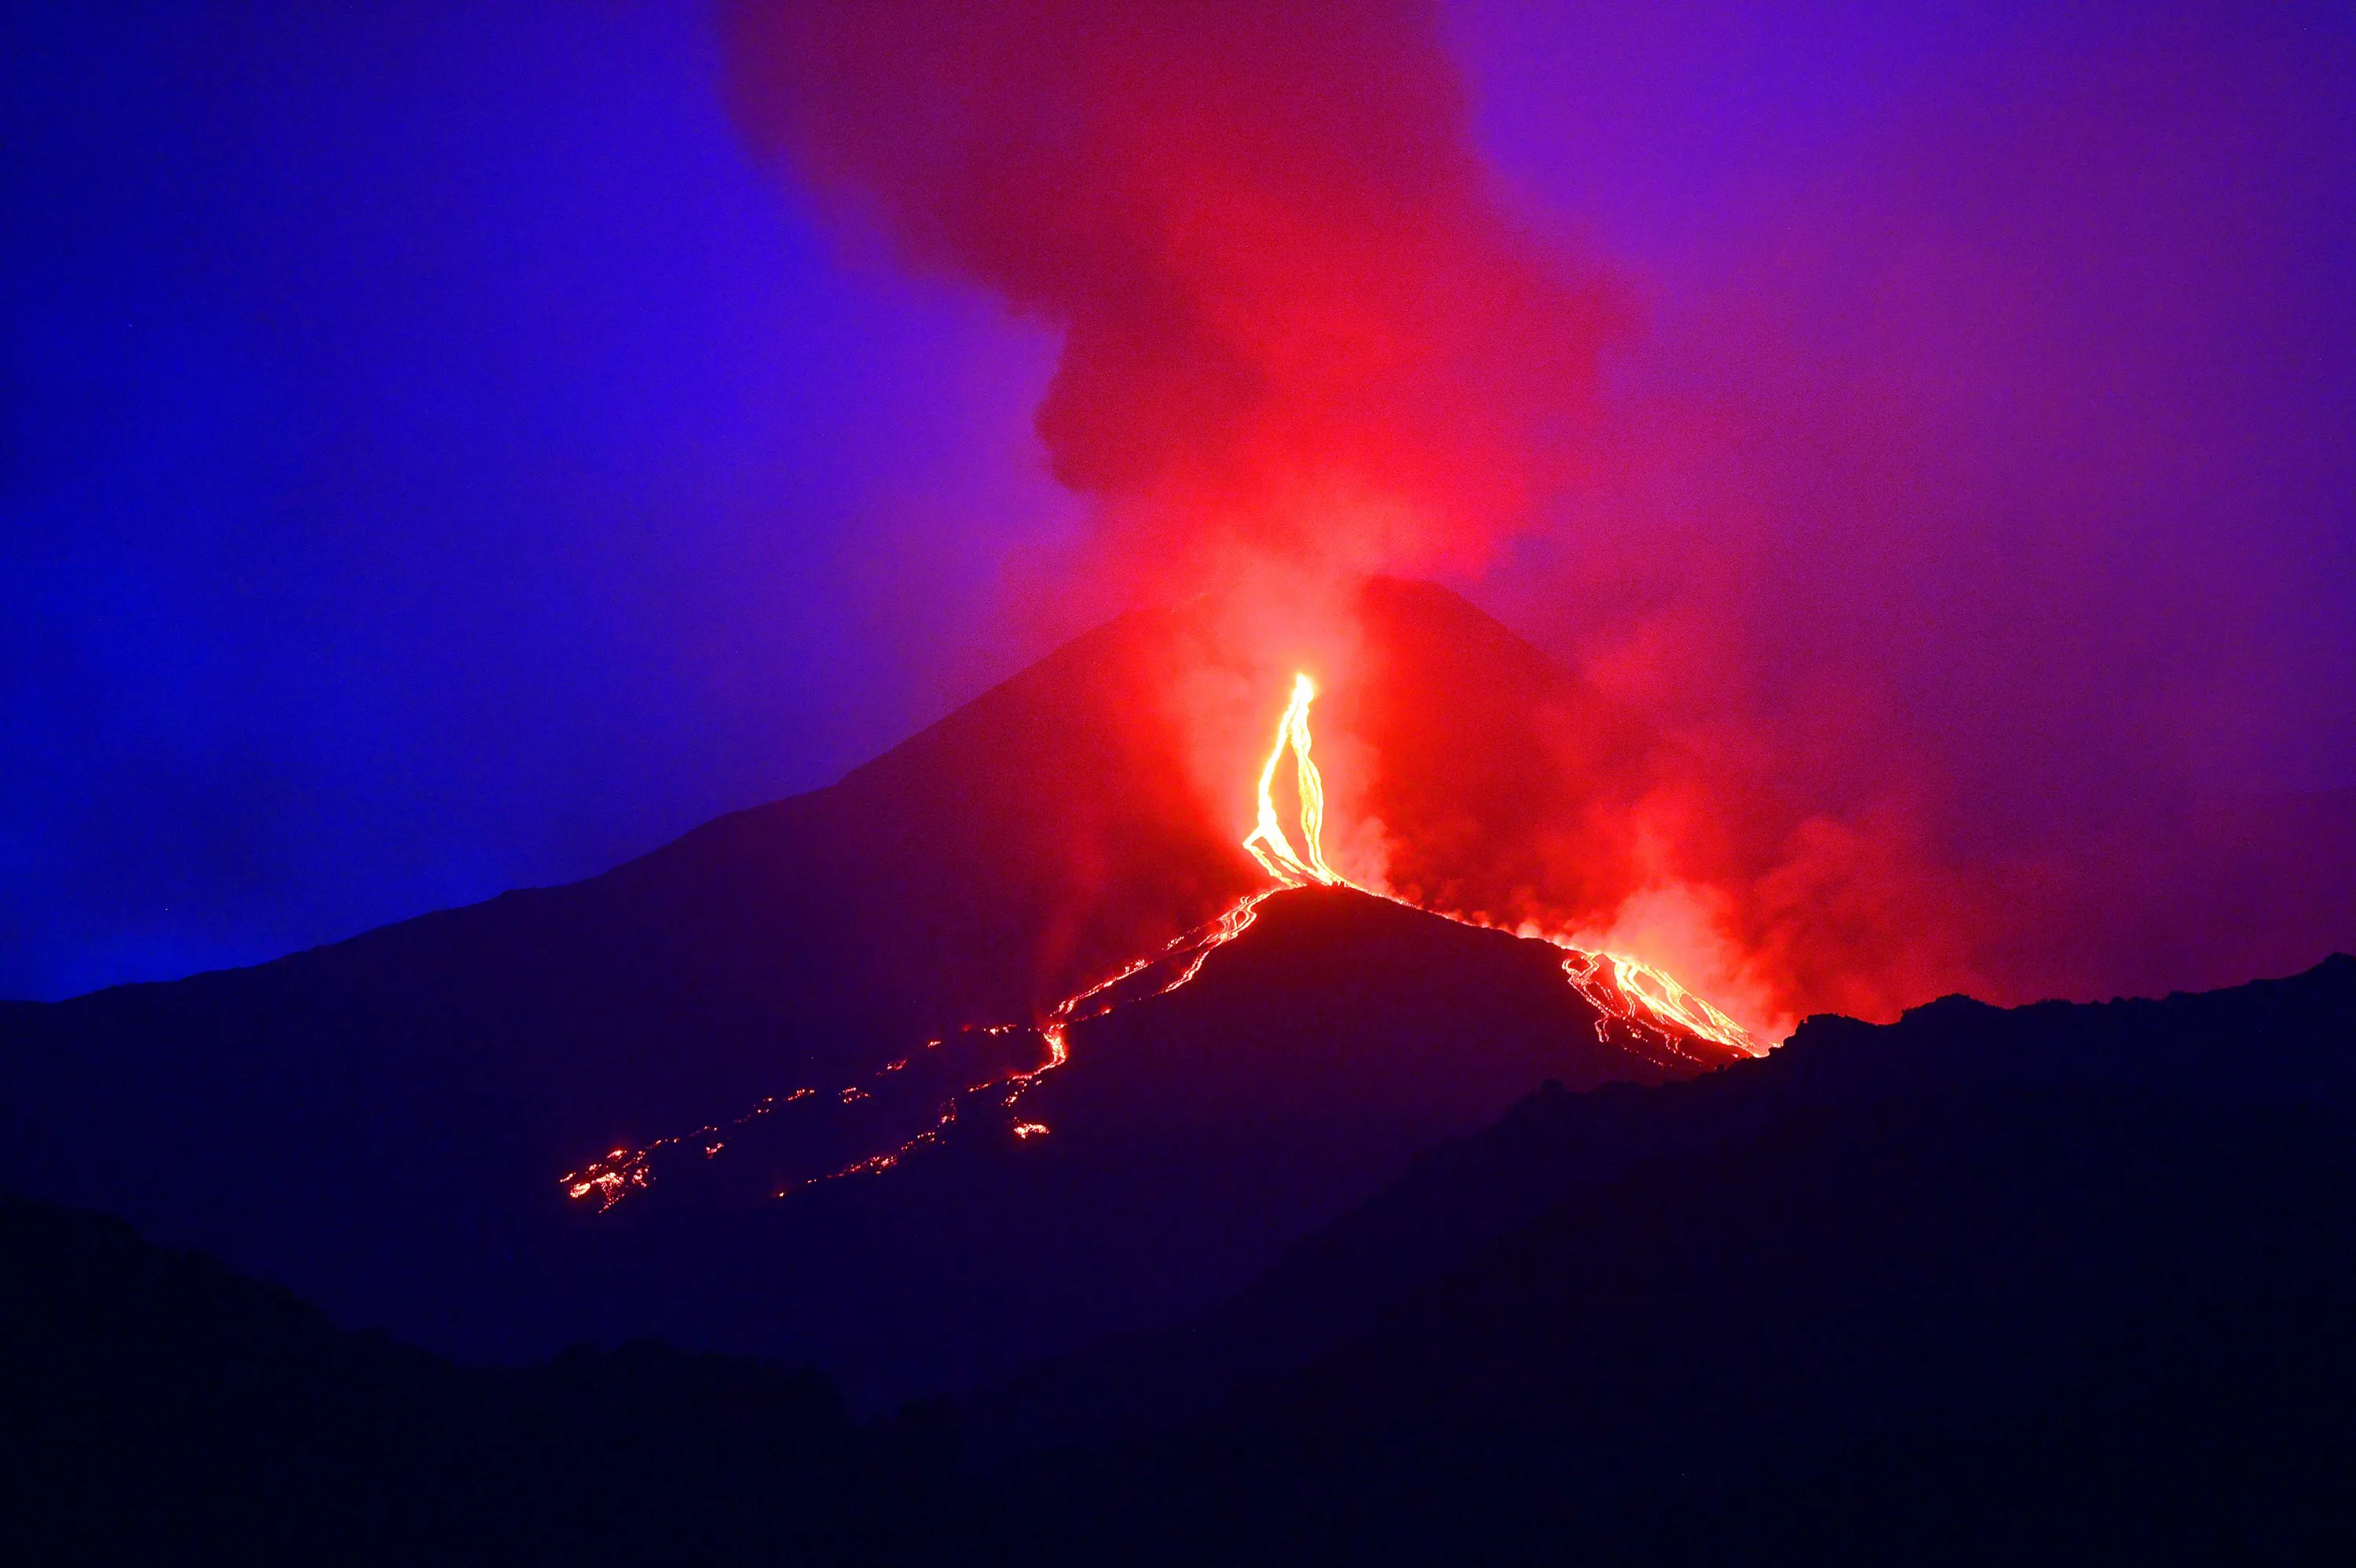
x,y
1557,1145
1984,1298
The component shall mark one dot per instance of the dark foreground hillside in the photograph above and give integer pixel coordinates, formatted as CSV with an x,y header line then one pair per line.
x,y
156,1406
2051,1327
2268,1044
2049,1285
1194,1134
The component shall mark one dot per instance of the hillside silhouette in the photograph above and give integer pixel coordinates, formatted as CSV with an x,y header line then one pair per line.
x,y
157,1405
2268,1044
2041,1285
2010,1324
1191,1139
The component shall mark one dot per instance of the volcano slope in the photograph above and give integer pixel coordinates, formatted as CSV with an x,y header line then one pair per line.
x,y
2258,1048
2059,1284
1190,1137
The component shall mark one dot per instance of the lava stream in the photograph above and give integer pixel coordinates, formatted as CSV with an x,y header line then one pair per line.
x,y
1654,1011
1267,841
1628,989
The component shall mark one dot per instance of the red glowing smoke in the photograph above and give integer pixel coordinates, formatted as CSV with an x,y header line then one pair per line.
x,y
1304,341
1295,319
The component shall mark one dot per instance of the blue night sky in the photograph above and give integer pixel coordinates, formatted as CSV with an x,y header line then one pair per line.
x,y
434,459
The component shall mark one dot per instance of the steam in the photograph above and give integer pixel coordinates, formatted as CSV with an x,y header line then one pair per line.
x,y
1302,343
1296,322
1305,344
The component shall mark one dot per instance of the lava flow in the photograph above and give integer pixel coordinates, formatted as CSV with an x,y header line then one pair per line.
x,y
1655,1014
1267,841
1620,988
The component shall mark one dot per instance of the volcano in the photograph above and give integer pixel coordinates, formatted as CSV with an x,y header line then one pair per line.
x,y
806,1040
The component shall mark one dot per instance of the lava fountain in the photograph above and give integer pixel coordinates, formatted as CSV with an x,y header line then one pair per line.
x,y
1657,1017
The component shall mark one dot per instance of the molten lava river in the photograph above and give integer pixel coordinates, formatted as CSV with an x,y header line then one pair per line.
x,y
1658,1018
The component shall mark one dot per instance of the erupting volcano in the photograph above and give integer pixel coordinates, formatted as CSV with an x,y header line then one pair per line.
x,y
1294,1072
1084,972
1644,1003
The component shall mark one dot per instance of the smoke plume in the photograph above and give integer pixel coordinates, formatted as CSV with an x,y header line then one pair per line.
x,y
1891,674
1295,319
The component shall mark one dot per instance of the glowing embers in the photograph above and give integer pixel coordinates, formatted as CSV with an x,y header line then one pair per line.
x,y
1158,976
612,1178
626,1171
1268,841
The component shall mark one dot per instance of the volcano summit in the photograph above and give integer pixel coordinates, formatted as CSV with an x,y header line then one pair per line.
x,y
796,992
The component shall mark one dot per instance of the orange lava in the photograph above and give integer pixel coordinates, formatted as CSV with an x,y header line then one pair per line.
x,y
1267,841
1621,987
1657,1017
1625,987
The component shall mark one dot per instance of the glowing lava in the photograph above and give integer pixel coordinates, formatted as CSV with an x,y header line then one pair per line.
x,y
1267,841
1655,1017
1618,986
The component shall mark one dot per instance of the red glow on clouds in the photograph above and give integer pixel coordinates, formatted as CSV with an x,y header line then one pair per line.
x,y
1304,343
1295,319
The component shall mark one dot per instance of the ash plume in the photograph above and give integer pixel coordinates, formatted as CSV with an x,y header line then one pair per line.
x,y
1296,320
1823,546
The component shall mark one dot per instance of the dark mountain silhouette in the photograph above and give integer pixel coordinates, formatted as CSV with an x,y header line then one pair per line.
x,y
1192,1138
473,1055
2045,1285
155,1406
381,1124
1997,1324
2268,1044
